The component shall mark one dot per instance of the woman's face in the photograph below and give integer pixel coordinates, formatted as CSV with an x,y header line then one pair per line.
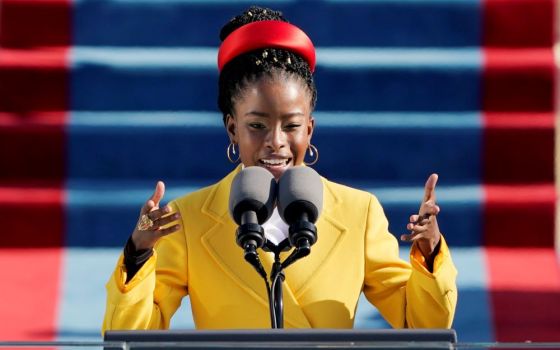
x,y
272,124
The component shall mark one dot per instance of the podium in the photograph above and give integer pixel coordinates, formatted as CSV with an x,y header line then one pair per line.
x,y
287,339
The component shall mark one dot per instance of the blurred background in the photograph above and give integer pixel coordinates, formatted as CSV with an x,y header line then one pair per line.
x,y
99,99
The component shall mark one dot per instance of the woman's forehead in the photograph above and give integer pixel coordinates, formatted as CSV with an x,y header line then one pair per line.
x,y
274,95
287,101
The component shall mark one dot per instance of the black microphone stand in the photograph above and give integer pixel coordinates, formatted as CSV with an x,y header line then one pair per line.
x,y
277,277
250,236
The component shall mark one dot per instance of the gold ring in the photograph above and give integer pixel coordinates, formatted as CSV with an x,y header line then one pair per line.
x,y
145,223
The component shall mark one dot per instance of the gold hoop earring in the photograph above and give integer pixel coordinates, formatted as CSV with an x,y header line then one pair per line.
x,y
231,149
312,151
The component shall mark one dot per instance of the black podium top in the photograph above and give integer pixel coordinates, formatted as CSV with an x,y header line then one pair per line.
x,y
288,339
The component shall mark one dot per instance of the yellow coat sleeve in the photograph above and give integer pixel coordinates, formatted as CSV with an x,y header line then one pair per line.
x,y
150,299
407,295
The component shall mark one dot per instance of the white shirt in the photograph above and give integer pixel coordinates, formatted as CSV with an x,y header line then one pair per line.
x,y
275,229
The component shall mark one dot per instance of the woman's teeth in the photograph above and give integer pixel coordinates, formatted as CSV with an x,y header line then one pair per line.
x,y
274,161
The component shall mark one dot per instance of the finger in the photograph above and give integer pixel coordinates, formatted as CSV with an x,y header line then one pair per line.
x,y
408,237
434,210
412,236
166,220
155,213
153,201
169,230
411,225
147,207
420,219
417,237
430,188
416,228
429,208
158,192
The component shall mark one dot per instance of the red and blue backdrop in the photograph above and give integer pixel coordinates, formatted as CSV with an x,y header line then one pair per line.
x,y
100,99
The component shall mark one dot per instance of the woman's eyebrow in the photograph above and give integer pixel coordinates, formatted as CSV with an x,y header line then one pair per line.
x,y
294,114
256,113
264,114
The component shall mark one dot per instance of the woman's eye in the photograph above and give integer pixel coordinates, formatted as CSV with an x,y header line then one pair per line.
x,y
292,126
256,126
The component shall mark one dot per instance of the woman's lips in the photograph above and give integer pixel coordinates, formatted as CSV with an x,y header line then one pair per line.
x,y
274,162
276,166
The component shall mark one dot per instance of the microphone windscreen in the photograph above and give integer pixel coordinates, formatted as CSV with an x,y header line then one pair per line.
x,y
300,189
252,189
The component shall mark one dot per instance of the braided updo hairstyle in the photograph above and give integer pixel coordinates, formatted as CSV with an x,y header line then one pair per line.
x,y
247,68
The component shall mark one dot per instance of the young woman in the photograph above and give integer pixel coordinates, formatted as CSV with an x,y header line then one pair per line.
x,y
267,96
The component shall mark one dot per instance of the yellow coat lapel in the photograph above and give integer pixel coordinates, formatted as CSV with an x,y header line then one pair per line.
x,y
330,232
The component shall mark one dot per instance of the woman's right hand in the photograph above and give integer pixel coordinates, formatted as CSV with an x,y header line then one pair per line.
x,y
145,236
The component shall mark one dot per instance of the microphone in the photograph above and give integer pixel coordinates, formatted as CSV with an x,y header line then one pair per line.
x,y
300,202
251,203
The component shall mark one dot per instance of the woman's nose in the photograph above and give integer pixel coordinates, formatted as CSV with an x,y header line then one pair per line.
x,y
276,138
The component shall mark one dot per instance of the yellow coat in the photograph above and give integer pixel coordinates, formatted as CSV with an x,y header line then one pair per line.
x,y
354,253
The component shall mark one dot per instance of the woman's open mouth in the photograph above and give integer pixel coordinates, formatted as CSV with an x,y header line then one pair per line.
x,y
276,166
275,162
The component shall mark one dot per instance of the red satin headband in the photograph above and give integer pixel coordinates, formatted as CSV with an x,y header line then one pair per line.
x,y
266,34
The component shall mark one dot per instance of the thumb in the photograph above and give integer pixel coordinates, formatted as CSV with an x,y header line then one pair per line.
x,y
158,193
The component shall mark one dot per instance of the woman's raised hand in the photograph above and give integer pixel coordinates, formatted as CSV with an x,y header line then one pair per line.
x,y
152,218
424,230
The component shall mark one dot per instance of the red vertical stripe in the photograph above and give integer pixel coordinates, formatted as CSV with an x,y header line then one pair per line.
x,y
33,80
518,147
32,216
35,23
34,99
34,146
519,86
30,293
519,216
519,23
525,293
518,80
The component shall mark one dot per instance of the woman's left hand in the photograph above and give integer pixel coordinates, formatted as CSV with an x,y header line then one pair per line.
x,y
424,230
